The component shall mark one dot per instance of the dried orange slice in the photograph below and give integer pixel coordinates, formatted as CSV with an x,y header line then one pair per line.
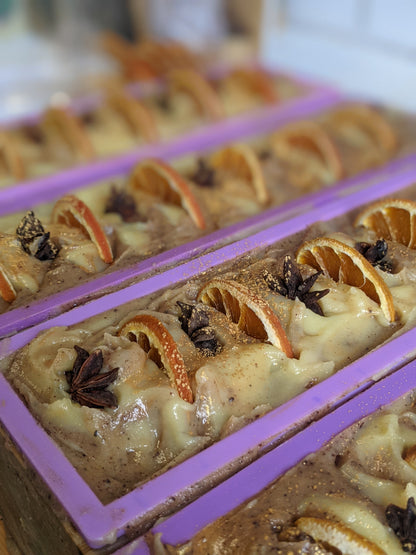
x,y
370,122
410,456
125,53
10,155
164,56
241,160
157,178
155,339
344,264
155,54
138,70
198,88
117,46
256,81
60,122
180,55
391,219
296,140
137,116
338,536
251,313
72,212
7,291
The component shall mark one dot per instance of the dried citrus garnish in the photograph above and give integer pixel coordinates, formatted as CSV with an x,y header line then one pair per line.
x,y
338,536
311,153
241,160
391,219
344,264
62,123
153,336
137,116
256,81
7,291
190,82
11,157
155,177
73,212
368,121
251,313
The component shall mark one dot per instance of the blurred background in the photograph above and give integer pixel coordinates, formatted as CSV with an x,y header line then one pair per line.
x,y
366,47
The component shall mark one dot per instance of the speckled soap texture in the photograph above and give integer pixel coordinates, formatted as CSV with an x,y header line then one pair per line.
x,y
101,524
248,483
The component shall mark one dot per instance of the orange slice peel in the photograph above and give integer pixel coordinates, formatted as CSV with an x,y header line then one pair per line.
x,y
117,47
62,123
346,265
257,81
9,153
370,122
7,291
311,137
137,116
155,177
73,212
391,219
162,57
338,536
190,82
180,55
410,456
153,336
251,313
155,55
241,160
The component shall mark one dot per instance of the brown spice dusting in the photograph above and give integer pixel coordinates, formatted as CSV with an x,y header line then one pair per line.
x,y
86,384
122,203
34,240
292,285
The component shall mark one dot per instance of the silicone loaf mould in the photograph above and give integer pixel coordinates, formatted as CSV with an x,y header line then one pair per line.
x,y
75,145
367,187
113,523
37,310
240,488
49,187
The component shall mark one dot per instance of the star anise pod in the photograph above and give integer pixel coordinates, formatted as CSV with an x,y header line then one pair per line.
x,y
376,254
122,203
163,102
194,321
34,240
89,118
33,133
292,285
86,384
403,524
204,175
265,154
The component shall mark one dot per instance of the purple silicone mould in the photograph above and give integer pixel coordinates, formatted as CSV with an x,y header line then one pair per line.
x,y
101,524
252,479
28,194
141,89
347,194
